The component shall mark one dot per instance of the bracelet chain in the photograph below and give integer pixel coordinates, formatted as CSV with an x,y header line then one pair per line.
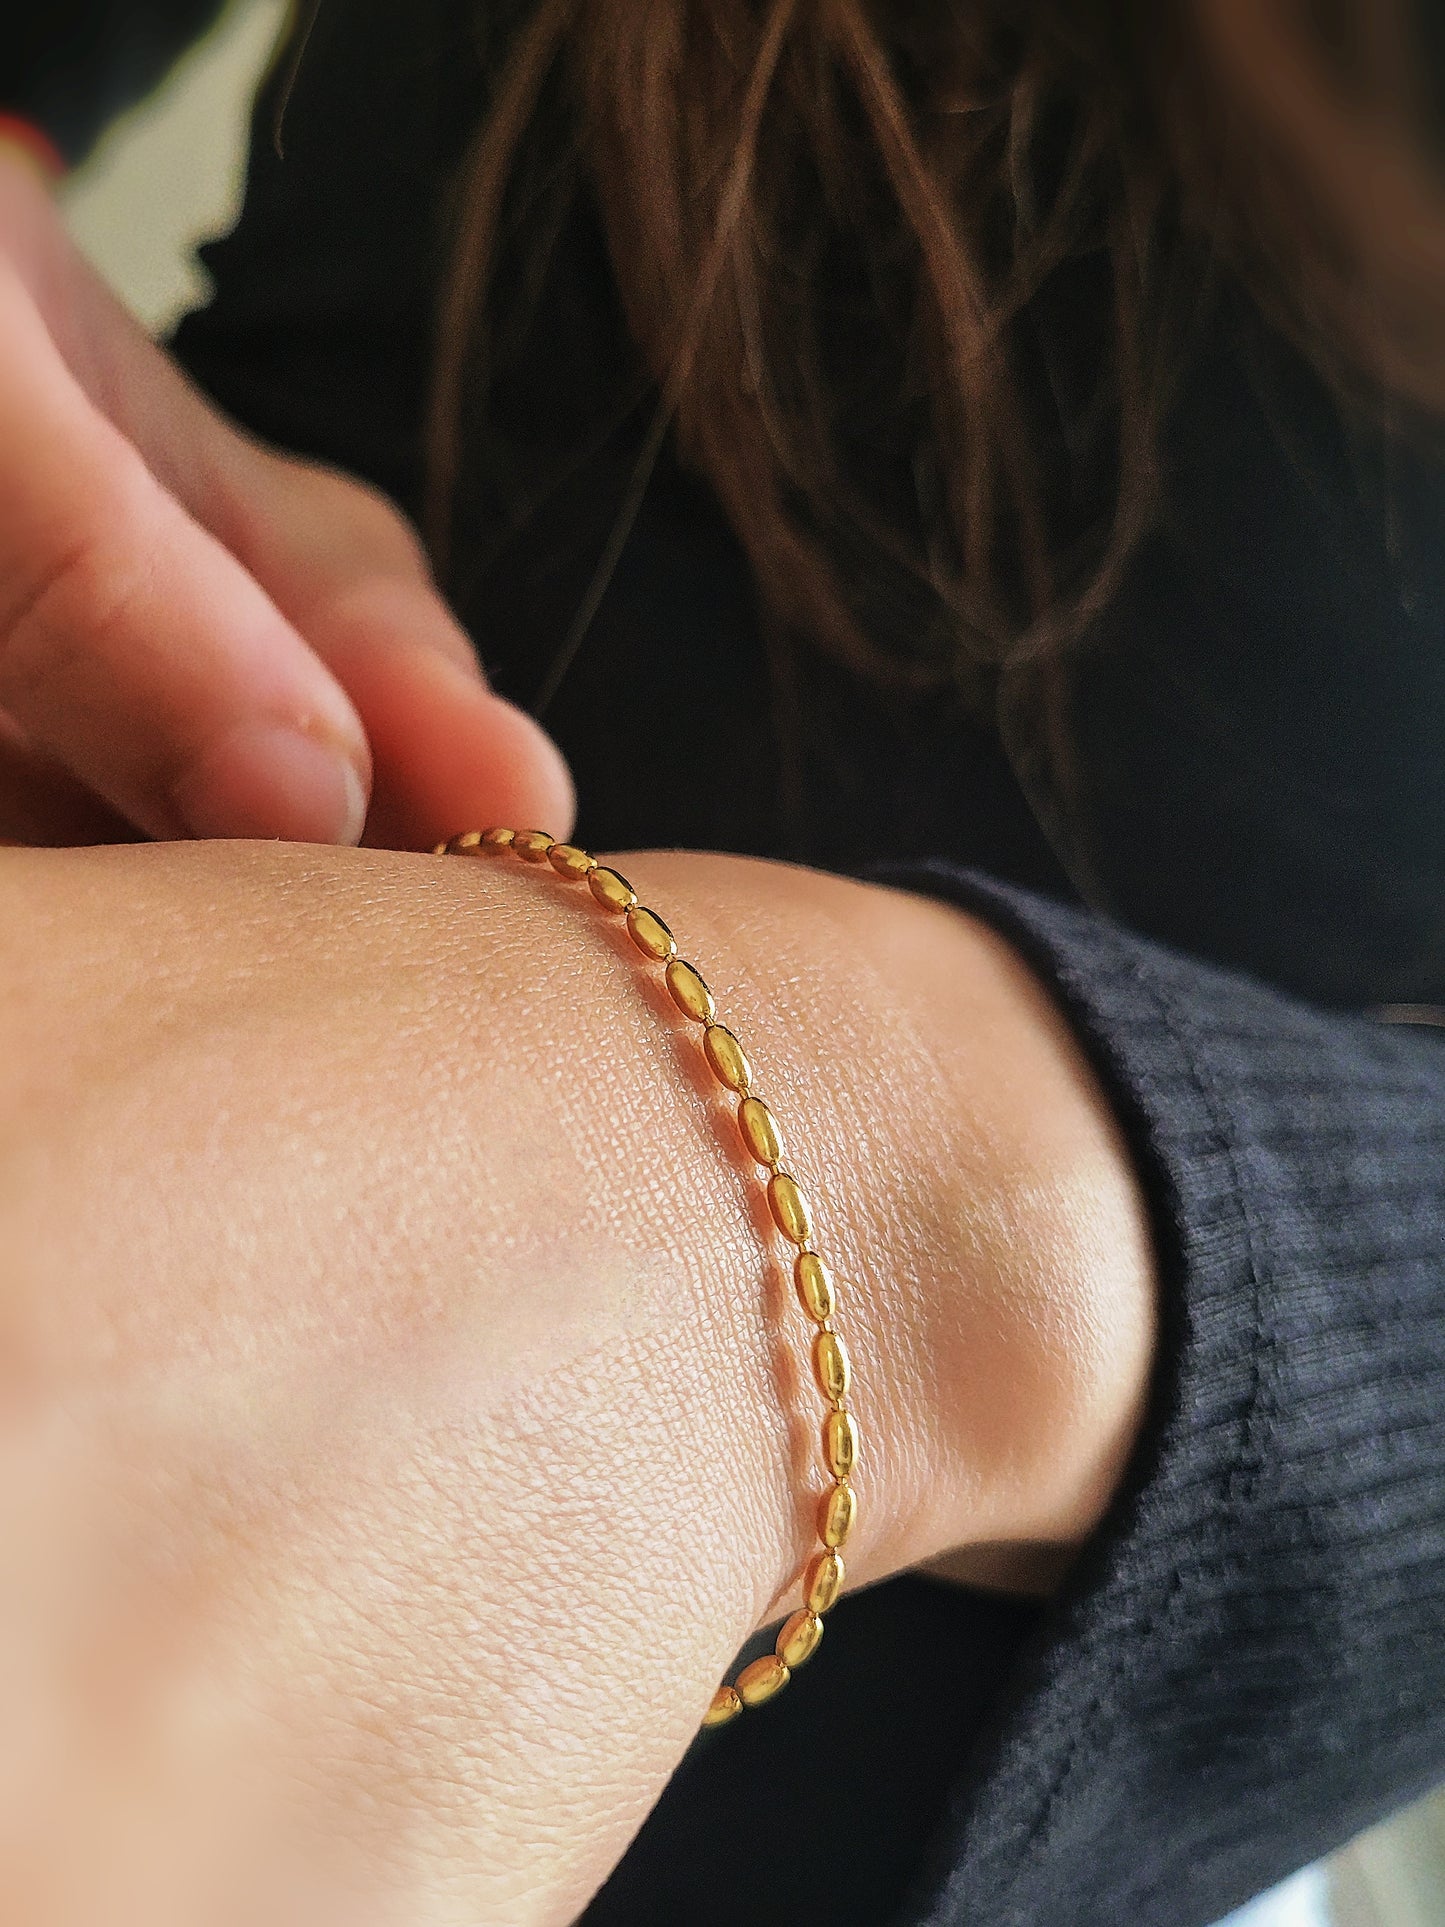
x,y
788,1205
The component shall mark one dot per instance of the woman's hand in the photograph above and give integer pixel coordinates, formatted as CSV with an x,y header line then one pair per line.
x,y
403,1418
197,636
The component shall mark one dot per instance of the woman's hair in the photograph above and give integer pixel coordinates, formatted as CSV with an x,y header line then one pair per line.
x,y
830,223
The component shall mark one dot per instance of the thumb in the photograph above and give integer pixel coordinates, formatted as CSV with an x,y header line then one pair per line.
x,y
447,754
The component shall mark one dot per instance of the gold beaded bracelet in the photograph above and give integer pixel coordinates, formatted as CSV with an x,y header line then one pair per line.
x,y
788,1205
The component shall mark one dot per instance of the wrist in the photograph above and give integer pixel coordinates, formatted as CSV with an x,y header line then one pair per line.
x,y
422,1304
969,1186
972,1192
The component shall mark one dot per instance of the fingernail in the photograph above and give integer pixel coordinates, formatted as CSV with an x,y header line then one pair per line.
x,y
265,780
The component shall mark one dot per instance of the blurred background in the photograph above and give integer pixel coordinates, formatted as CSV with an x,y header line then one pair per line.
x,y
169,175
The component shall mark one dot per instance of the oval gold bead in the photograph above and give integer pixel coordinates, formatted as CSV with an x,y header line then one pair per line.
x,y
532,845
798,1641
727,1058
815,1286
789,1208
725,1706
830,1365
650,934
468,840
568,861
760,1681
495,841
840,1443
688,991
823,1583
837,1515
612,891
760,1131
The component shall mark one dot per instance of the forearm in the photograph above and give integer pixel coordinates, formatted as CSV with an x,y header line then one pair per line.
x,y
389,1197
475,1038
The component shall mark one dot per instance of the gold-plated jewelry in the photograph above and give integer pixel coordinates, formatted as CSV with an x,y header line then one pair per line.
x,y
761,1137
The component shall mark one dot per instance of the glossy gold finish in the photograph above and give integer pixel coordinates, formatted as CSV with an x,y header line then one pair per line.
x,y
532,845
759,1682
762,1138
789,1208
688,991
760,1132
823,1582
727,1059
725,1706
568,861
840,1444
650,934
799,1639
830,1366
612,891
837,1515
815,1286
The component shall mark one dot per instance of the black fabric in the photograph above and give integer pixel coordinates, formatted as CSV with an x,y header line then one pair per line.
x,y
71,66
1249,1663
1257,1638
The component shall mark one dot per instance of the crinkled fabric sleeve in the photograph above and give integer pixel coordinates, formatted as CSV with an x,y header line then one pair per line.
x,y
1248,1663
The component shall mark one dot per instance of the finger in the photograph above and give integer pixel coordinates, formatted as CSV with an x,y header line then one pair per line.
x,y
349,574
134,648
447,753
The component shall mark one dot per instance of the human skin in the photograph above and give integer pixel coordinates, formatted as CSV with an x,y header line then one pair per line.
x,y
404,1416
403,1412
201,635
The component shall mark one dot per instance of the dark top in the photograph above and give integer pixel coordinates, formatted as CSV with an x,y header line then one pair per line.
x,y
1248,1665
71,65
